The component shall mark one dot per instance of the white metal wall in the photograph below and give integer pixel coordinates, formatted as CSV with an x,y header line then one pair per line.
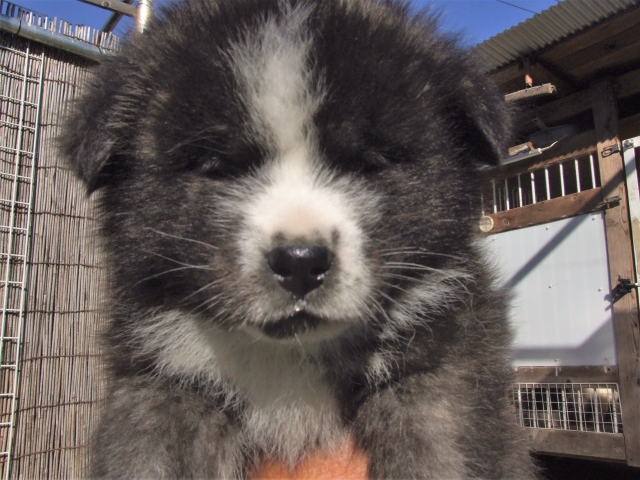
x,y
562,306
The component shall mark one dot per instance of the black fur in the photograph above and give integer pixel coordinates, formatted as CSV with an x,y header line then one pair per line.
x,y
162,134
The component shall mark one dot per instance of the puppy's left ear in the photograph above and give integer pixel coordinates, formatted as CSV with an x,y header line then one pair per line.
x,y
95,133
485,117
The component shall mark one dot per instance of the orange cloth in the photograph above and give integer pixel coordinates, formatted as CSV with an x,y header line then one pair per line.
x,y
347,463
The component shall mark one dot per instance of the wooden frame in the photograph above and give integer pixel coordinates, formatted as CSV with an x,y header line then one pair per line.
x,y
620,253
588,374
548,210
602,446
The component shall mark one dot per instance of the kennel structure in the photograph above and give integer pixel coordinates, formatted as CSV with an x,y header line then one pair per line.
x,y
50,271
563,222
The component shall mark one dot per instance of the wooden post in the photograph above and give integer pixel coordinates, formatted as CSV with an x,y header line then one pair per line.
x,y
625,310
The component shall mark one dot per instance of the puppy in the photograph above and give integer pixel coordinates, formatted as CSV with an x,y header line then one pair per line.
x,y
288,192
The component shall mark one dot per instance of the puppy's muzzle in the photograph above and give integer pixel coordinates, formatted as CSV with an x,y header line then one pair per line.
x,y
300,269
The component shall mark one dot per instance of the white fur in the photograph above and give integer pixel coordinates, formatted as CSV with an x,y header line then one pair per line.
x,y
272,66
294,196
289,406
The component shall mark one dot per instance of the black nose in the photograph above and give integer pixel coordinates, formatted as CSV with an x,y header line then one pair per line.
x,y
300,269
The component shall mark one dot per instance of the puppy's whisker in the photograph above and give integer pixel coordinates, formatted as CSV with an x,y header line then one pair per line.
x,y
390,252
399,277
208,285
396,287
409,266
162,273
200,267
182,238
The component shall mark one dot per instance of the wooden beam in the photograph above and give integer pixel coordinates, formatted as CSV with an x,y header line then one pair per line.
x,y
565,107
557,53
506,74
603,446
617,58
540,72
620,256
546,89
627,84
602,49
592,374
547,211
624,86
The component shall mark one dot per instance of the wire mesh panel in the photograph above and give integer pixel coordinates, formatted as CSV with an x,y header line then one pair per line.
x,y
584,407
21,73
50,375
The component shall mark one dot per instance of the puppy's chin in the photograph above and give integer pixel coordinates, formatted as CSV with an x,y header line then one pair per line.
x,y
298,327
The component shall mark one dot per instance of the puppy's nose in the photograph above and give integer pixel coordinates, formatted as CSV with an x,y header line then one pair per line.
x,y
300,269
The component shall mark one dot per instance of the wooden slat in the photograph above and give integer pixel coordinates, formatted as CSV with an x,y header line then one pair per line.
x,y
547,211
620,255
580,102
598,52
591,374
560,52
605,446
527,93
618,57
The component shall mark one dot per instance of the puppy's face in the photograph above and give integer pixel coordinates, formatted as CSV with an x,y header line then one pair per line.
x,y
294,170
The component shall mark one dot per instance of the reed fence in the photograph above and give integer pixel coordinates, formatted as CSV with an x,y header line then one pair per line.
x,y
50,271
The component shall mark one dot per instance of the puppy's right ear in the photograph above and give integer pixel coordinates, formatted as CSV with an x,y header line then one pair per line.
x,y
95,135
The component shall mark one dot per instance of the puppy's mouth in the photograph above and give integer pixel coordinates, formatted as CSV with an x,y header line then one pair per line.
x,y
299,323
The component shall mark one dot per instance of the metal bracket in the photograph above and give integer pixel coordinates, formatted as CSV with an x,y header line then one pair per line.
x,y
608,151
114,6
609,202
625,285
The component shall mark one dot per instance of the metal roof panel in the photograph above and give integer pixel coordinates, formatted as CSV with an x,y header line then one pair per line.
x,y
546,28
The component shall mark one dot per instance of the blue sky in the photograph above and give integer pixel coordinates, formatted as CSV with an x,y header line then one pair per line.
x,y
477,20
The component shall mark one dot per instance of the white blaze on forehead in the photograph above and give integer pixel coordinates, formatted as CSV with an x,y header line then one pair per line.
x,y
293,196
274,69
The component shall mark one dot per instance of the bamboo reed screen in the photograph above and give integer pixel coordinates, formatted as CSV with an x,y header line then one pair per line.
x,y
49,372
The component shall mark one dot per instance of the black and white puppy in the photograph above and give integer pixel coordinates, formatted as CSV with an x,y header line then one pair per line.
x,y
288,192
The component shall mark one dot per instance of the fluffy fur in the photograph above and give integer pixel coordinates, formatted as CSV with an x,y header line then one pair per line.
x,y
233,128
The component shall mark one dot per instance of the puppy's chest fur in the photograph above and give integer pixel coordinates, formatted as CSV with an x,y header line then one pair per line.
x,y
289,406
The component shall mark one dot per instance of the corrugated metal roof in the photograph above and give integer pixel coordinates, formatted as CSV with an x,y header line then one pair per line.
x,y
553,24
